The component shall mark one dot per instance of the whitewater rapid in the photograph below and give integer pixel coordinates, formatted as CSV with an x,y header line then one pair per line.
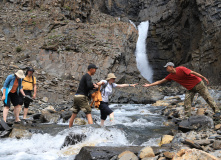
x,y
133,125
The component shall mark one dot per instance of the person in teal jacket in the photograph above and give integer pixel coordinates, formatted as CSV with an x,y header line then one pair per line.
x,y
11,88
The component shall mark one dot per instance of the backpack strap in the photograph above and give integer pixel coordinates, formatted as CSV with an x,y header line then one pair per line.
x,y
33,82
104,86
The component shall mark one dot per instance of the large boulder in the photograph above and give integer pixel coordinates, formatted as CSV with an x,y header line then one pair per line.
x,y
146,152
127,155
73,139
166,139
194,154
196,123
20,133
47,116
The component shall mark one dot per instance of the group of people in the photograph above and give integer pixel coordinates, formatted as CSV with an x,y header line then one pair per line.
x,y
191,80
17,86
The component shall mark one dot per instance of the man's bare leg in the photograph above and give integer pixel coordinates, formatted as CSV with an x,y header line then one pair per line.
x,y
72,120
89,118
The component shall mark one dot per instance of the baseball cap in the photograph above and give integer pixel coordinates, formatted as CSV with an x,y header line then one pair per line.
x,y
30,69
169,64
92,66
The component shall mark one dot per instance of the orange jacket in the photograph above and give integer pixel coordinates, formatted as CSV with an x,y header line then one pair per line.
x,y
97,98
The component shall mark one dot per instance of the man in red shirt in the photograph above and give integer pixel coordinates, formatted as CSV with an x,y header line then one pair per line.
x,y
192,81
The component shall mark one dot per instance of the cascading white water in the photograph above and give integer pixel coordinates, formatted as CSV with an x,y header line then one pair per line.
x,y
141,54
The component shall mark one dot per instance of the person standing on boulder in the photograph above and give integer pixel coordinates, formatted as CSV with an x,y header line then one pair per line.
x,y
11,88
106,91
192,81
81,100
29,84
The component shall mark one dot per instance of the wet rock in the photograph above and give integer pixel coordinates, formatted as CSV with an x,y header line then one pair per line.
x,y
194,154
37,116
5,133
196,123
146,152
79,121
127,155
4,125
73,139
66,115
20,133
104,153
46,116
166,139
50,109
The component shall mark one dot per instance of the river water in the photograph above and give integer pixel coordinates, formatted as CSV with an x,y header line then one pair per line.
x,y
133,125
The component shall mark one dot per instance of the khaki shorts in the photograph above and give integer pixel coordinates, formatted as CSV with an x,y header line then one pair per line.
x,y
81,102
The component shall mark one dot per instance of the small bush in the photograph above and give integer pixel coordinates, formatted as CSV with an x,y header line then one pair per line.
x,y
18,49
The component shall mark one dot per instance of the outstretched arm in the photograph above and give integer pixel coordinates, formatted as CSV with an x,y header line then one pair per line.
x,y
199,75
155,83
126,85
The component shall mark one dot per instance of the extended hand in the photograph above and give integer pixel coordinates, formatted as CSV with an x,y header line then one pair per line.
x,y
95,86
147,85
34,96
133,85
3,98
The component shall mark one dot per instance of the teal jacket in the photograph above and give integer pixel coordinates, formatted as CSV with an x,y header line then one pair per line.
x,y
9,82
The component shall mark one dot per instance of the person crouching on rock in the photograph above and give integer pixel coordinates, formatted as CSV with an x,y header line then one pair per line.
x,y
106,91
81,99
11,88
192,81
29,84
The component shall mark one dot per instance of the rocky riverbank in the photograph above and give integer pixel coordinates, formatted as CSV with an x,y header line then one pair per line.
x,y
197,136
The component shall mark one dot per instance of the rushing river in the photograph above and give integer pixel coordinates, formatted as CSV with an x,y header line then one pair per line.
x,y
133,125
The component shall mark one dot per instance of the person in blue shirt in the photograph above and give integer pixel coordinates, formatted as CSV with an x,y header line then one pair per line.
x,y
11,88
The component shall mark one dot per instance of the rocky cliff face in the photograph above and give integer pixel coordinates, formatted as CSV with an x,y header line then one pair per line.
x,y
60,38
185,32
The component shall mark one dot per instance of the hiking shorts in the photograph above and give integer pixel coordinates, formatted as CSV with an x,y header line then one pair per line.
x,y
21,98
81,102
12,97
105,110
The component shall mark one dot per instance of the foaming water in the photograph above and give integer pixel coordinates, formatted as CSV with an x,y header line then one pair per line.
x,y
133,125
141,54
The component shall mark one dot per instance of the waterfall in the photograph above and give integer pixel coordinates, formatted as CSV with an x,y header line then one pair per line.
x,y
141,54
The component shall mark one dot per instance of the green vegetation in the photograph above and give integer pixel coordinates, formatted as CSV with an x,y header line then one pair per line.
x,y
67,7
34,22
33,16
18,49
54,36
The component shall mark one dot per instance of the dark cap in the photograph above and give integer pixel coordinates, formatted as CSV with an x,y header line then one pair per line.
x,y
92,66
30,69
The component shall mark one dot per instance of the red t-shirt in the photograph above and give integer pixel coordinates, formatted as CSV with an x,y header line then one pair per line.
x,y
184,78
